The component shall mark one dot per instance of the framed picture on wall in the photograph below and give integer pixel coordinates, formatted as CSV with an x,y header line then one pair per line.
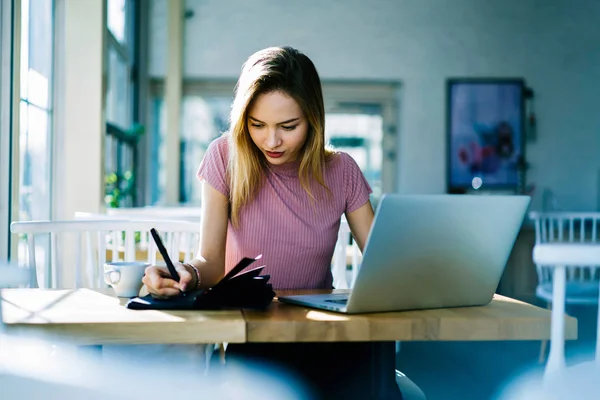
x,y
485,133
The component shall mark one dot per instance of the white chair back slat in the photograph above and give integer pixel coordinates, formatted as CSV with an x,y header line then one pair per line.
x,y
560,223
101,239
31,259
129,246
544,223
339,264
538,230
90,269
355,264
571,229
186,245
144,239
176,247
168,242
121,243
78,258
152,252
106,235
114,246
54,270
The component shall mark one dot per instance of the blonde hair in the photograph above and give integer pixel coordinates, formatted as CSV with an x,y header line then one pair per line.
x,y
274,69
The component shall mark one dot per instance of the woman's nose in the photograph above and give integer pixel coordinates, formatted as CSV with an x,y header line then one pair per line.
x,y
273,139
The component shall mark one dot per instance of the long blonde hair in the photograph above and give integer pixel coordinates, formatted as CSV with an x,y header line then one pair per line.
x,y
274,69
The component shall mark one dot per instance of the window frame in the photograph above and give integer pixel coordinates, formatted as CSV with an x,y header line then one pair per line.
x,y
7,88
128,52
48,110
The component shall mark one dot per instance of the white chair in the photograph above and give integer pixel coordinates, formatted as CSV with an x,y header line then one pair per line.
x,y
94,239
579,381
344,254
342,278
582,279
174,213
123,240
561,257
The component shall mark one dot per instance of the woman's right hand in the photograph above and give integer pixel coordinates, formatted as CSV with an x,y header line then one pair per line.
x,y
159,283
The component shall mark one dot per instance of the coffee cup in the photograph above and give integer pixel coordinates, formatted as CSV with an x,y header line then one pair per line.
x,y
125,277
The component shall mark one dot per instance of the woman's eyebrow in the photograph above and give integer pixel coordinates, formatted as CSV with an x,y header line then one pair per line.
x,y
280,123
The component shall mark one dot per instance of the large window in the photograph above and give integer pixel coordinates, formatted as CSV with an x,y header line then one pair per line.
x,y
122,133
35,114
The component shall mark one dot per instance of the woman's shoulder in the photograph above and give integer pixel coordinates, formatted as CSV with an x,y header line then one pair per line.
x,y
339,160
220,144
218,149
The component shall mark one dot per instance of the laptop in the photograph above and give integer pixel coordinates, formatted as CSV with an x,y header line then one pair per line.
x,y
430,251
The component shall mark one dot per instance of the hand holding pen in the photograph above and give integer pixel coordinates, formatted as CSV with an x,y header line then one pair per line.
x,y
166,282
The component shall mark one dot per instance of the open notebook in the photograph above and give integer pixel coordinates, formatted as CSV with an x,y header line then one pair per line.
x,y
237,289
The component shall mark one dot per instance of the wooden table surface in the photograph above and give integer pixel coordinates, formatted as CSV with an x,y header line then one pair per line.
x,y
84,316
503,319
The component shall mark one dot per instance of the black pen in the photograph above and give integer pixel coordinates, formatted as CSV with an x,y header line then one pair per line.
x,y
164,254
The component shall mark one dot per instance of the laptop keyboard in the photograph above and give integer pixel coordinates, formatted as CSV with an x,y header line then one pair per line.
x,y
337,301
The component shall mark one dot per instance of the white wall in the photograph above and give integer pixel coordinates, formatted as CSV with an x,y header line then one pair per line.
x,y
552,44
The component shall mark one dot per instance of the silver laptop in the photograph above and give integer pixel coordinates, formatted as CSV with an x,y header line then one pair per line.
x,y
430,251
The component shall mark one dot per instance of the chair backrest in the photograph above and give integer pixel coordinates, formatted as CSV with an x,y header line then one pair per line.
x,y
567,227
178,213
97,241
342,278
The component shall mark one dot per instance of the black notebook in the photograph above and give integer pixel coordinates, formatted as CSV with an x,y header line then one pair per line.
x,y
248,289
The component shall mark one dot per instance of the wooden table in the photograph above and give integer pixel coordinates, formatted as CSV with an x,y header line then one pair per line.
x,y
92,317
87,317
503,319
360,347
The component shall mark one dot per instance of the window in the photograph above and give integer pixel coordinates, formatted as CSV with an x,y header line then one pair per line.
x,y
122,135
203,118
35,113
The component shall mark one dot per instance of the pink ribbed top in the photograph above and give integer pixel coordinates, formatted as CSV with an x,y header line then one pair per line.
x,y
295,235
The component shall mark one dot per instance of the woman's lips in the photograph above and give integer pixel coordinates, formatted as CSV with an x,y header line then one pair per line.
x,y
274,154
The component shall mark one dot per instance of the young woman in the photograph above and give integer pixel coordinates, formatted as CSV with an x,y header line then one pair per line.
x,y
270,185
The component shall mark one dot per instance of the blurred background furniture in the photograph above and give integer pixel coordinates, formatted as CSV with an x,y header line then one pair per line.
x,y
174,213
582,279
560,257
97,241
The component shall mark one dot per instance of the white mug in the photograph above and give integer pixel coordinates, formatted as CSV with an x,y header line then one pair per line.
x,y
125,276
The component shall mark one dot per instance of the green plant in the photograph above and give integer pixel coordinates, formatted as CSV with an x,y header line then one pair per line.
x,y
118,187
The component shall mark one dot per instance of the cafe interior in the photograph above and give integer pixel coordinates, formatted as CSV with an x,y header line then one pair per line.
x,y
107,108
